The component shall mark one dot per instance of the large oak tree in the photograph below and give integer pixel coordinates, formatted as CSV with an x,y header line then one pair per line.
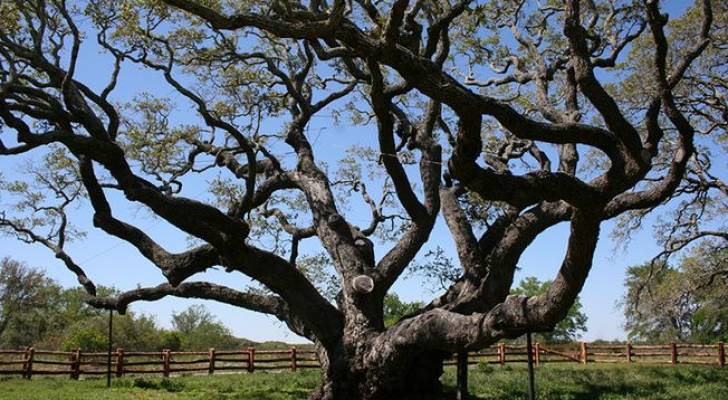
x,y
504,118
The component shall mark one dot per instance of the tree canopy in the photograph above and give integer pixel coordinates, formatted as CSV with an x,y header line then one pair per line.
x,y
683,303
500,118
23,291
36,311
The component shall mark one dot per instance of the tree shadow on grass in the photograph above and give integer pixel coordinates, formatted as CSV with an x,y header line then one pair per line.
x,y
597,391
577,388
586,392
692,376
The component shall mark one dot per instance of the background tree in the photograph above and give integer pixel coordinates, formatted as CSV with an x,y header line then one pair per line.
x,y
210,335
192,318
85,337
200,330
65,311
396,309
483,130
683,303
131,331
568,329
36,311
171,340
25,295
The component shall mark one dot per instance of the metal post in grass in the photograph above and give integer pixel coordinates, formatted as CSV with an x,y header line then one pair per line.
x,y
462,375
531,383
108,355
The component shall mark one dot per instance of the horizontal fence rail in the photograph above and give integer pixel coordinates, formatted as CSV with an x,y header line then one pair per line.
x,y
77,363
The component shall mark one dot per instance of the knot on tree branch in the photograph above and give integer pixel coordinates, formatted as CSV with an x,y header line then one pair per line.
x,y
511,316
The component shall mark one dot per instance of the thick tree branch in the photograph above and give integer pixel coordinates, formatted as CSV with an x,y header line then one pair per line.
x,y
176,267
266,304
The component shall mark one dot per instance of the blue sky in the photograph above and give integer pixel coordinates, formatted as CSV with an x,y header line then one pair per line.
x,y
110,262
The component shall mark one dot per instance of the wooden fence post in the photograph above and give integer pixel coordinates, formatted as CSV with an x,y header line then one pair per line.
x,y
165,358
251,359
629,351
29,363
79,358
72,362
294,362
211,357
72,365
76,365
537,353
24,358
119,362
721,354
502,353
584,354
673,358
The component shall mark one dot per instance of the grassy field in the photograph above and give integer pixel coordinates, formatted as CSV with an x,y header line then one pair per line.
x,y
554,382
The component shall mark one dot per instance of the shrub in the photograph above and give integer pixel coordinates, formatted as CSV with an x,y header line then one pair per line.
x,y
171,340
87,338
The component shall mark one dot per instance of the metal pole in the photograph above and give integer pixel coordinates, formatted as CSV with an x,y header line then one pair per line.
x,y
108,356
531,383
462,375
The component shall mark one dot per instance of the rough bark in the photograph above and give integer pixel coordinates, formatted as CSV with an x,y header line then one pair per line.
x,y
412,375
381,54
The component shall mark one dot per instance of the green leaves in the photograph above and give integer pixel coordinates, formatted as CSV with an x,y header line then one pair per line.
x,y
320,272
39,199
9,16
198,329
150,139
687,302
23,290
395,309
87,338
437,269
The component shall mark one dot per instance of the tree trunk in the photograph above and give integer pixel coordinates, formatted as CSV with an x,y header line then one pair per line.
x,y
405,376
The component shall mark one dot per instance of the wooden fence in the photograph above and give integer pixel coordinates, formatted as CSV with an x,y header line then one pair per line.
x,y
583,353
76,363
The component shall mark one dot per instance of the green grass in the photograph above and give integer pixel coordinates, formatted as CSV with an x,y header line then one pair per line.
x,y
598,381
259,386
553,382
